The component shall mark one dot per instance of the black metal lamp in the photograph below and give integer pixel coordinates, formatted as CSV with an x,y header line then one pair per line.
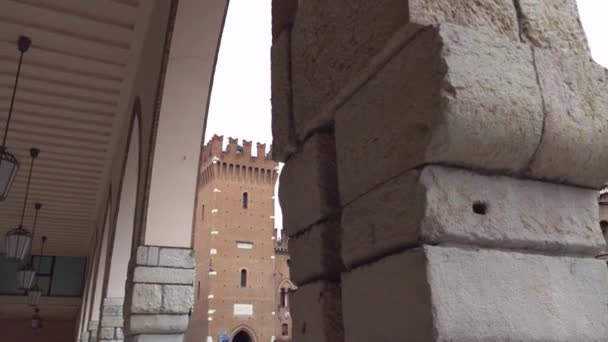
x,y
33,295
18,240
36,321
26,275
9,165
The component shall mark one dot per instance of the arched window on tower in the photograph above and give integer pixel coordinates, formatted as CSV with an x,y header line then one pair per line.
x,y
243,278
245,200
284,329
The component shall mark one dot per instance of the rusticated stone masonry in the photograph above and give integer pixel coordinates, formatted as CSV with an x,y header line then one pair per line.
x,y
111,326
159,295
442,160
91,332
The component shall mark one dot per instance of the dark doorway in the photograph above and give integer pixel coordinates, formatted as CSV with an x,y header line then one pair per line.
x,y
242,336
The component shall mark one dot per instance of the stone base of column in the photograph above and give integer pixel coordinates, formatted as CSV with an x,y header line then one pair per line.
x,y
91,333
112,320
160,294
464,293
159,338
450,254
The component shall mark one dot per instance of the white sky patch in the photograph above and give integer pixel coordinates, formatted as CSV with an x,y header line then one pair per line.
x,y
593,15
240,102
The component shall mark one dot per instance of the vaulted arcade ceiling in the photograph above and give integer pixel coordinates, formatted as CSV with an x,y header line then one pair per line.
x,y
72,98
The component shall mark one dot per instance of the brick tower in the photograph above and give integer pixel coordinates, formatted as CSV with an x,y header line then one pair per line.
x,y
236,289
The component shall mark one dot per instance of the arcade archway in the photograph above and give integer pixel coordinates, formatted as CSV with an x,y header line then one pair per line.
x,y
242,336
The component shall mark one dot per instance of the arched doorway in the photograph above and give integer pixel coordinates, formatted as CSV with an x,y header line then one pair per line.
x,y
242,336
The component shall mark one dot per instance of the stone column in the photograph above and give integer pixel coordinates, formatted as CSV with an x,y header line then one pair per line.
x,y
442,160
91,334
111,320
160,294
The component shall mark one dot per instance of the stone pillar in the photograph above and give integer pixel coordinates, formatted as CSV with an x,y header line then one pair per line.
x,y
91,333
111,320
309,198
442,160
160,294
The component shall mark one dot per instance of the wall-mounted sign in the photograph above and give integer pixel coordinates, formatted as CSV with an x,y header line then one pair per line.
x,y
243,309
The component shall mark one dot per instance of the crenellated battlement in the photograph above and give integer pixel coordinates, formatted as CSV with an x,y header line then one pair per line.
x,y
234,151
237,162
281,241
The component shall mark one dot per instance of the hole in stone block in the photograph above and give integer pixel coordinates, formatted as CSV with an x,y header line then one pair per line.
x,y
480,208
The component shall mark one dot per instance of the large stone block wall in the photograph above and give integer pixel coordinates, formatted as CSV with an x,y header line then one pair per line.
x,y
442,166
160,294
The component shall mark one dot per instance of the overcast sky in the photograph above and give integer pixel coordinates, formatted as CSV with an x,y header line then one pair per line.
x,y
240,101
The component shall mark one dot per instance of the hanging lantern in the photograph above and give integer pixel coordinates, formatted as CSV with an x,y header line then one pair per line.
x,y
9,165
18,243
18,240
36,321
26,275
33,295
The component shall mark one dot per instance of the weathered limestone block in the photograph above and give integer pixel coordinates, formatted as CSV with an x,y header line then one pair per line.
x,y
283,134
163,275
317,313
574,148
334,40
112,310
106,333
158,338
112,321
92,328
452,95
498,16
448,205
147,298
315,254
457,294
158,324
308,190
112,306
177,298
176,258
157,295
147,255
93,325
552,24
399,285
